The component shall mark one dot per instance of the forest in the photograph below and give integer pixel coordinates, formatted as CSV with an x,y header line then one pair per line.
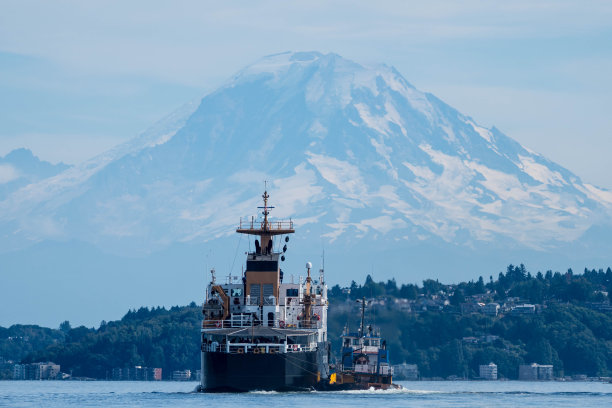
x,y
565,332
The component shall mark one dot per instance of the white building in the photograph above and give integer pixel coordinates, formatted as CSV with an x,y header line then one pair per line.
x,y
36,371
491,309
545,372
181,375
48,370
535,372
523,309
488,371
19,372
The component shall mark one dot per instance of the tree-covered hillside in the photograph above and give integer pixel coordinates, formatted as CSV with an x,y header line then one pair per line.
x,y
427,324
147,337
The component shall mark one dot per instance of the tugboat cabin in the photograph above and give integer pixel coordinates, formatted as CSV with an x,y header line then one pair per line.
x,y
367,356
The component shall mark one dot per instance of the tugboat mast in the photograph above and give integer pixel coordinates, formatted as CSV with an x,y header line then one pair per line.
x,y
361,329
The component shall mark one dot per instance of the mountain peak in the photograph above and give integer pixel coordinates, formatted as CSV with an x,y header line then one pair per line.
x,y
291,63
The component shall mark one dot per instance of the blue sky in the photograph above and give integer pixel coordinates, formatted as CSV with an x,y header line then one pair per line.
x,y
77,77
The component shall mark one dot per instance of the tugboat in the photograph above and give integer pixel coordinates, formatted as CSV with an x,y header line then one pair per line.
x,y
364,363
258,332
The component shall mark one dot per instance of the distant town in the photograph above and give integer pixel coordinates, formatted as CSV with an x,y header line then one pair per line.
x,y
51,371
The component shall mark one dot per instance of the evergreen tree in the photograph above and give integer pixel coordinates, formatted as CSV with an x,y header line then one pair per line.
x,y
65,326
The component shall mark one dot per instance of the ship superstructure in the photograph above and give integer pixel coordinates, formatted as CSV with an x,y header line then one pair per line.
x,y
260,332
364,361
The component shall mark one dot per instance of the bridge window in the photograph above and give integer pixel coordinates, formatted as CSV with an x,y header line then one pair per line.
x,y
255,291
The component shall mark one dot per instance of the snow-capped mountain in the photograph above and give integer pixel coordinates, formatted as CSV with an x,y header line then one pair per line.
x,y
20,168
363,162
356,150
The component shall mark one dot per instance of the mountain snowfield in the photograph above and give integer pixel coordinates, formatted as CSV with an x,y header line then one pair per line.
x,y
388,179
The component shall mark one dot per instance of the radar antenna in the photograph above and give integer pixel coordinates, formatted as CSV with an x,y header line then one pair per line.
x,y
266,208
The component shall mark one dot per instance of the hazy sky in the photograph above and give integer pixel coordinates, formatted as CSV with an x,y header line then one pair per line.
x,y
78,77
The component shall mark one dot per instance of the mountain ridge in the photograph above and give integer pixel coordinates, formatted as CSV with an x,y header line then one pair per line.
x,y
20,167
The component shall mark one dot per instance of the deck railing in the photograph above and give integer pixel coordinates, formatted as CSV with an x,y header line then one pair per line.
x,y
371,369
245,321
270,226
365,368
261,348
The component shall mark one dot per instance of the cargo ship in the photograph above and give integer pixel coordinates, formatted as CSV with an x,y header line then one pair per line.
x,y
260,332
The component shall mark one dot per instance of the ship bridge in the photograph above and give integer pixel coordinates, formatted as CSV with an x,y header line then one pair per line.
x,y
263,275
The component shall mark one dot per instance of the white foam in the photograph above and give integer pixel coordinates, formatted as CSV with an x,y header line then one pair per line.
x,y
401,390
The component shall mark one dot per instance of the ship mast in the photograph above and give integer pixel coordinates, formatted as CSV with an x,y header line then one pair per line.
x,y
262,274
265,211
265,229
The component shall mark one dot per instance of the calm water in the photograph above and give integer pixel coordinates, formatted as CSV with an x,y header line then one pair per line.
x,y
416,394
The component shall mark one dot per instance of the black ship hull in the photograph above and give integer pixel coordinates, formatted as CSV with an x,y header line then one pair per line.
x,y
225,372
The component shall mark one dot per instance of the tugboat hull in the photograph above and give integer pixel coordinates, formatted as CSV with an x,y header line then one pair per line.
x,y
224,372
349,381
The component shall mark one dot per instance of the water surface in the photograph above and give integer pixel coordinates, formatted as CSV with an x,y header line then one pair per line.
x,y
103,394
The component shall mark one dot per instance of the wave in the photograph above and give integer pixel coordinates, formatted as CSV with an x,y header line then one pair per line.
x,y
266,392
392,391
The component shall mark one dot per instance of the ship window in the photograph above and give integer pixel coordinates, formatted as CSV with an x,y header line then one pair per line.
x,y
355,342
262,266
268,290
292,292
255,291
236,292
